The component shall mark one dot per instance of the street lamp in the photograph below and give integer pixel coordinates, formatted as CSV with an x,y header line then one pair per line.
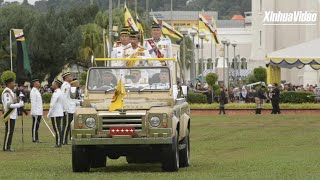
x,y
227,44
193,33
234,44
202,36
184,32
224,42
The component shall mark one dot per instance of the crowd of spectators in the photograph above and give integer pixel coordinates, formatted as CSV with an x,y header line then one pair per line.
x,y
245,94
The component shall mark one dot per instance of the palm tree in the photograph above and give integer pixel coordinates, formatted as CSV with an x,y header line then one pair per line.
x,y
92,42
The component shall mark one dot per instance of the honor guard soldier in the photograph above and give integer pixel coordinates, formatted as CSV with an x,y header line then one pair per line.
x,y
36,109
68,116
124,50
10,105
56,111
158,46
75,98
137,50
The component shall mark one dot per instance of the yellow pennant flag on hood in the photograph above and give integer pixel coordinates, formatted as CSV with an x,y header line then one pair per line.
x,y
128,20
117,99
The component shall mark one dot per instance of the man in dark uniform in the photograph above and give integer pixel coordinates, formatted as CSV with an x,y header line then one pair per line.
x,y
260,97
222,99
10,105
275,99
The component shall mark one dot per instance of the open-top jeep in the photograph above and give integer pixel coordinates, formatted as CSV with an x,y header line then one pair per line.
x,y
153,126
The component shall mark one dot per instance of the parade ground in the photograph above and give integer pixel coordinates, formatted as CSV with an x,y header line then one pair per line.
x,y
222,147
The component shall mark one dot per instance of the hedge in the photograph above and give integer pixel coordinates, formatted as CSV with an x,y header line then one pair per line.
x,y
297,97
197,98
253,106
46,97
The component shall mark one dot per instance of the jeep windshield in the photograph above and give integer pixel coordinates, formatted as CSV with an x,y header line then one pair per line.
x,y
133,78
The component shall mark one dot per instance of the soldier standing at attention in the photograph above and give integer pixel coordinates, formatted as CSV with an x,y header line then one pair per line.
x,y
67,116
158,46
56,111
10,105
36,109
124,50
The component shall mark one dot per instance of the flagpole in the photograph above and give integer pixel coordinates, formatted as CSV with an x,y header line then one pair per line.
x,y
11,49
104,46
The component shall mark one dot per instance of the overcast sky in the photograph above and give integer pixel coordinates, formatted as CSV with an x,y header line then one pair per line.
x,y
30,1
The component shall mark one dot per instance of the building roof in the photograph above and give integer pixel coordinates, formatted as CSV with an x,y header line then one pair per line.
x,y
182,15
237,17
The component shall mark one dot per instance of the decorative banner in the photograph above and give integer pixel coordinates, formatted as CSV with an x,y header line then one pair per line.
x,y
23,67
128,20
203,23
18,34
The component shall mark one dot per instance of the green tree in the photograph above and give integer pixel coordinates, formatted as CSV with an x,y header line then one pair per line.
x,y
260,73
92,42
47,45
212,79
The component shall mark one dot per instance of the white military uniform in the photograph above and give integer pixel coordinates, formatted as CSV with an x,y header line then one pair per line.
x,y
160,86
36,112
36,102
56,104
140,52
8,100
123,51
164,46
74,102
65,88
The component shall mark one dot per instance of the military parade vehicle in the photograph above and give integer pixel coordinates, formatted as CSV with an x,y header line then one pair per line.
x,y
152,126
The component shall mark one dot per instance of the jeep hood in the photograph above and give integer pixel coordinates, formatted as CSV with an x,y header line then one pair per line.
x,y
131,104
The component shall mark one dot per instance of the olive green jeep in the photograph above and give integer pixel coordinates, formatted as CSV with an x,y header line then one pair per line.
x,y
153,125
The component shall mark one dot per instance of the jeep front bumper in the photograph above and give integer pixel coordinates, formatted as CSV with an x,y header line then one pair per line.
x,y
118,140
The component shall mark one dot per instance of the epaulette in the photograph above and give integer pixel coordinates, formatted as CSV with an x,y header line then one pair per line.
x,y
127,47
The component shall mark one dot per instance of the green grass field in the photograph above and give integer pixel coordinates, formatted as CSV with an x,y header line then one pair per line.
x,y
222,147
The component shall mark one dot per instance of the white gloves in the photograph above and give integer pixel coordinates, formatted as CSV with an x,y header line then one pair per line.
x,y
17,105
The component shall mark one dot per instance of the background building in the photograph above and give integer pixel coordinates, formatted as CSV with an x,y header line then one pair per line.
x,y
270,38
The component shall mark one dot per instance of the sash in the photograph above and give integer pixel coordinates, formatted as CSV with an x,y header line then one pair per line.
x,y
131,63
6,115
156,50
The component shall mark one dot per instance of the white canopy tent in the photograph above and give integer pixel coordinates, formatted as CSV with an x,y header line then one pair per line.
x,y
307,53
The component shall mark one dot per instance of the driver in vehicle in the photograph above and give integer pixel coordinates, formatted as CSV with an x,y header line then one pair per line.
x,y
164,80
107,79
135,77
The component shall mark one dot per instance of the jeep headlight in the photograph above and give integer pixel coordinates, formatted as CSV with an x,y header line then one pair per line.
x,y
154,121
90,122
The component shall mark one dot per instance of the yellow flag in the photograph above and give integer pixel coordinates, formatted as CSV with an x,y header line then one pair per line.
x,y
170,31
128,20
18,33
215,34
141,30
117,99
204,24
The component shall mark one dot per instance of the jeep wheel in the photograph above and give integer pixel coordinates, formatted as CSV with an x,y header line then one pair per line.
x,y
184,154
80,159
171,154
99,159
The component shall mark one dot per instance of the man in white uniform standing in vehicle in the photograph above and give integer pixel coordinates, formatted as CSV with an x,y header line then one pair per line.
x,y
158,47
124,50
